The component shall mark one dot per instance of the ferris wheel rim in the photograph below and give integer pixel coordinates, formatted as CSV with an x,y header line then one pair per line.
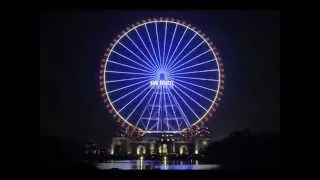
x,y
104,90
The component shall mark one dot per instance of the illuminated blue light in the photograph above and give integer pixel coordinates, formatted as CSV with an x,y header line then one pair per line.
x,y
161,76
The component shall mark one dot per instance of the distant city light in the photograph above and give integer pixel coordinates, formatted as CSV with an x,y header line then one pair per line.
x,y
196,151
204,142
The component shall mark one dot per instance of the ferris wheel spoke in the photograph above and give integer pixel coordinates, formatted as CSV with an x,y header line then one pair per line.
x,y
195,85
144,110
154,52
172,38
177,83
138,88
128,86
202,79
180,60
164,44
193,72
174,67
130,59
180,109
165,109
174,112
211,60
159,111
186,103
127,79
151,67
155,97
133,99
124,65
144,55
144,44
175,50
159,57
124,72
174,60
138,104
183,92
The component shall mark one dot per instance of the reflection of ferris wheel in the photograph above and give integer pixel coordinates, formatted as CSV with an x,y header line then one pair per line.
x,y
161,76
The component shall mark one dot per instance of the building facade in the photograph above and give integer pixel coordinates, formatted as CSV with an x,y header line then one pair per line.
x,y
165,144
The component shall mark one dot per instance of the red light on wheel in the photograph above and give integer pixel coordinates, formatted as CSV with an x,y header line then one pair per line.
x,y
202,124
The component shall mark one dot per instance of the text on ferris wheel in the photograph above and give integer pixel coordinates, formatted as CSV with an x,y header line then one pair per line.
x,y
161,83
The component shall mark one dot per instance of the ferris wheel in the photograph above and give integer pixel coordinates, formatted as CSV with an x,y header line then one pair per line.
x,y
161,76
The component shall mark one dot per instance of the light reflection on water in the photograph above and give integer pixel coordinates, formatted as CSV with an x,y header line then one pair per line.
x,y
142,164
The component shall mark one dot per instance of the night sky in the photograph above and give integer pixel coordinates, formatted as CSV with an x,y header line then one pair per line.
x,y
72,44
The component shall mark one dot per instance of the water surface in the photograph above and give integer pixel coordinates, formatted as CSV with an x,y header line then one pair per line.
x,y
155,165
